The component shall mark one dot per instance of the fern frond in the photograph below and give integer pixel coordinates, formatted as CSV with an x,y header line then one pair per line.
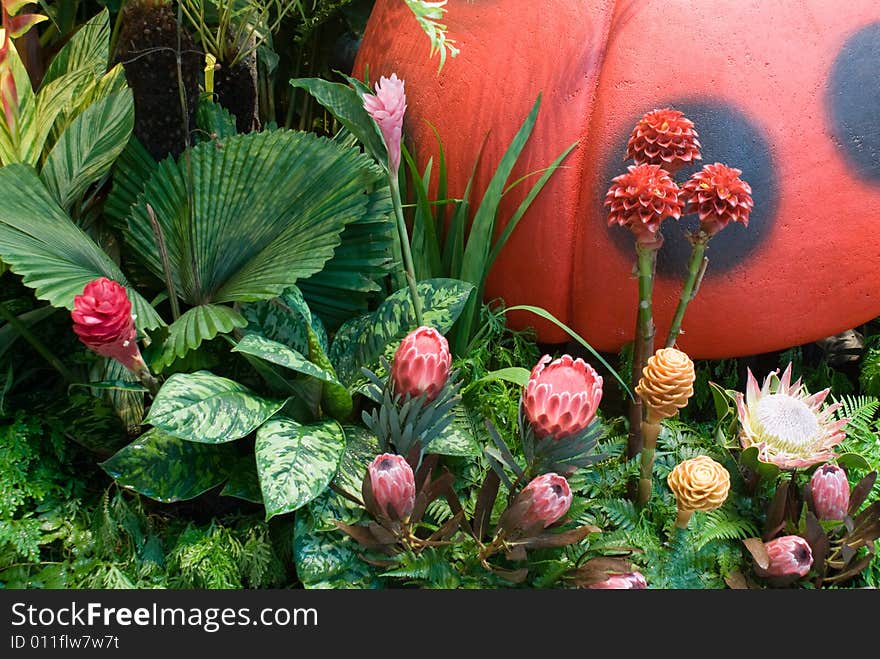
x,y
723,524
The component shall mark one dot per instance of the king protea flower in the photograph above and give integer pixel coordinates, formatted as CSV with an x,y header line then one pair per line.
x,y
626,581
664,137
790,556
562,396
387,108
641,199
720,196
421,363
829,488
789,427
393,485
551,499
103,322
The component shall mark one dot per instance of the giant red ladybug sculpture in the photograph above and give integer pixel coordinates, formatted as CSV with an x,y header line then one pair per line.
x,y
788,92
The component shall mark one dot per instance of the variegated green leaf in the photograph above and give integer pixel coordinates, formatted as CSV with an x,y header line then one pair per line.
x,y
277,353
361,446
296,462
167,468
243,483
201,323
284,319
362,340
17,143
203,407
461,438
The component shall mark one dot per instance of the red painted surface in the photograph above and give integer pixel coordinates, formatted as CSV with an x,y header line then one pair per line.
x,y
599,64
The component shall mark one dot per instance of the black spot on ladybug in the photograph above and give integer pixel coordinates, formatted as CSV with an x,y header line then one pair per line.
x,y
854,101
727,136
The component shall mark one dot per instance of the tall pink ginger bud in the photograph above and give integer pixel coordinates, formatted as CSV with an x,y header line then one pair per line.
x,y
626,581
551,499
103,322
562,396
393,485
790,556
387,108
830,490
421,363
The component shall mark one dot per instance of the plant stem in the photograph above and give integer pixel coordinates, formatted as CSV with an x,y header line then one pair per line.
x,y
691,284
650,432
403,236
38,345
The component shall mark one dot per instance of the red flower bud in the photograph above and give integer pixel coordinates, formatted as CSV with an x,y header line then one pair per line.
x,y
790,556
627,581
664,137
562,396
393,485
551,499
102,320
830,490
641,199
421,363
720,196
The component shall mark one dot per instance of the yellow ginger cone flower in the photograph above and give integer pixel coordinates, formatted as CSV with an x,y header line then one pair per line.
x,y
698,484
667,383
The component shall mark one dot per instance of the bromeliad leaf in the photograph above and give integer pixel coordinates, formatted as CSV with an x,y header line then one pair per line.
x,y
296,462
201,323
167,468
362,340
203,407
277,353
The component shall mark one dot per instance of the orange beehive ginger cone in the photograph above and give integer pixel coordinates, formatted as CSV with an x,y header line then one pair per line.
x,y
667,383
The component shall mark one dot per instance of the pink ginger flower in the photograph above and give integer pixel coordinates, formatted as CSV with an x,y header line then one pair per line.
x,y
387,108
627,581
562,396
551,499
830,490
790,556
393,485
421,363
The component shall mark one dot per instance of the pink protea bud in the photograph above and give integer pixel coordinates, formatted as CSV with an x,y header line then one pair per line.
x,y
628,581
562,396
551,499
830,490
421,363
103,322
393,484
790,556
387,108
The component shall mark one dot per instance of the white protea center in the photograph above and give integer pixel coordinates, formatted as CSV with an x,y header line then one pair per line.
x,y
789,427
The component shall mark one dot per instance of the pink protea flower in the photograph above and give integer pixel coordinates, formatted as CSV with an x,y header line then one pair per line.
x,y
103,322
830,490
641,199
562,396
720,196
627,581
789,427
664,137
551,499
393,484
421,363
387,108
790,556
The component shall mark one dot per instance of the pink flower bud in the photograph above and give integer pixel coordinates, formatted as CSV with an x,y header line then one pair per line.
x,y
627,581
790,556
387,108
830,490
421,363
393,484
562,397
551,499
103,322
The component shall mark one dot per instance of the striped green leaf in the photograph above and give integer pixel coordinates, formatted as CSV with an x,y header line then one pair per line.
x,y
167,468
296,462
201,323
203,407
87,50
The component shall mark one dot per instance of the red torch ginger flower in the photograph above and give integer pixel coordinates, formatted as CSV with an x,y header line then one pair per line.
x,y
421,363
551,499
627,581
720,196
387,108
664,137
393,485
830,490
102,320
790,556
641,199
790,428
562,396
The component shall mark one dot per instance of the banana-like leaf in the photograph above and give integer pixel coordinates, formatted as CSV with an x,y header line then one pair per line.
x,y
54,256
88,147
201,323
296,462
88,49
243,222
203,407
